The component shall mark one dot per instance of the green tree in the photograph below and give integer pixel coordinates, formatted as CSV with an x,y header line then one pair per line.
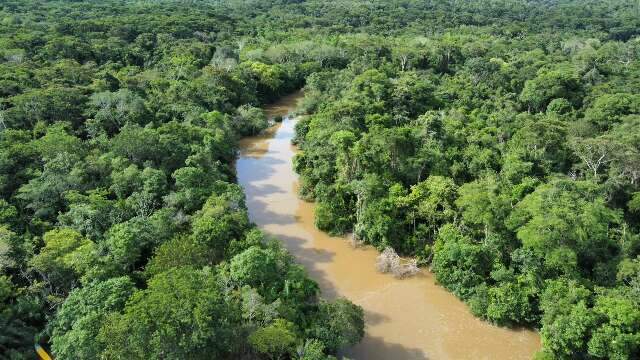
x,y
312,349
126,243
20,319
222,219
65,257
570,215
275,341
112,110
338,324
177,252
79,319
512,302
549,85
431,205
44,194
618,334
567,319
460,264
250,120
255,267
181,314
609,109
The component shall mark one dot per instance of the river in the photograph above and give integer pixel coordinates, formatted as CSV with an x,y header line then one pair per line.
x,y
405,319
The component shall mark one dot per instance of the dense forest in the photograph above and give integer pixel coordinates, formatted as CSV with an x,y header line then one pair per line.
x,y
507,159
496,141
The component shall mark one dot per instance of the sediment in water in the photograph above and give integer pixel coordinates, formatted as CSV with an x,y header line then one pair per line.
x,y
405,319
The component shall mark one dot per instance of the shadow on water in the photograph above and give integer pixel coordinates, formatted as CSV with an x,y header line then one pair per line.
x,y
311,258
405,319
258,212
379,348
263,161
258,169
265,189
374,318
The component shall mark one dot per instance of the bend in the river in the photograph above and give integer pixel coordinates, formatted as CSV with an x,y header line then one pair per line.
x,y
405,319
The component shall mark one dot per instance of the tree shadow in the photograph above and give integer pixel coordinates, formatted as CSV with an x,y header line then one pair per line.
x,y
310,258
251,169
261,215
254,173
375,348
374,318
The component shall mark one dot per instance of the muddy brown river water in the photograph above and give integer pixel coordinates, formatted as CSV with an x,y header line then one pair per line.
x,y
405,319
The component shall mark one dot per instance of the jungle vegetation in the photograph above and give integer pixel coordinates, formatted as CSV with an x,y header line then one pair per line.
x,y
497,141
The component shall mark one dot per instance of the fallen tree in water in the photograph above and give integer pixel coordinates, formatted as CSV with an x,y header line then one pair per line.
x,y
390,262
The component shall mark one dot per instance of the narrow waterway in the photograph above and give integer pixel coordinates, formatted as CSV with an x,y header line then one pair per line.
x,y
405,319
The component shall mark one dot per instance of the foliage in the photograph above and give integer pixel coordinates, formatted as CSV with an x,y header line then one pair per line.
x,y
500,146
275,340
339,324
119,219
504,156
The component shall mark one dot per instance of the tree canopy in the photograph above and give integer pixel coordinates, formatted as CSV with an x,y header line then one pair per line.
x,y
496,141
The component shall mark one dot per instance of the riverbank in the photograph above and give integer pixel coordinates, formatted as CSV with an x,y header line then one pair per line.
x,y
406,319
